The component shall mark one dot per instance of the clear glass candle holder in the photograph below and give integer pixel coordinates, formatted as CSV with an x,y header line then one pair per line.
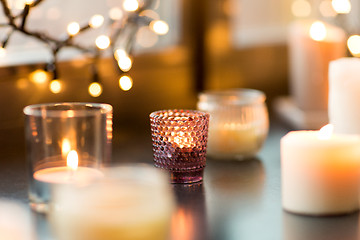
x,y
130,202
66,143
239,122
179,140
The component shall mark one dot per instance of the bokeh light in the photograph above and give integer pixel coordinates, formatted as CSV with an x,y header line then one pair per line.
x,y
96,21
301,8
55,86
22,83
125,83
125,63
119,53
130,5
353,44
326,9
102,42
73,28
318,31
145,37
341,6
160,27
115,13
39,76
150,13
29,2
95,89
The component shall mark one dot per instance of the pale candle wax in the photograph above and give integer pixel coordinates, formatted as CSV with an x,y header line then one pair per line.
x,y
233,138
71,173
320,175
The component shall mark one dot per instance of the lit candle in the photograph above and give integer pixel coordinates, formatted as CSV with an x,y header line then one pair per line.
x,y
344,97
312,45
320,172
71,173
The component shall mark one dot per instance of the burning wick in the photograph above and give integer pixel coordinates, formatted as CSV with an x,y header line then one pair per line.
x,y
72,161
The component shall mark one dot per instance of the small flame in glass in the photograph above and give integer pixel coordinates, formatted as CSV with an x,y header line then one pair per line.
x,y
72,160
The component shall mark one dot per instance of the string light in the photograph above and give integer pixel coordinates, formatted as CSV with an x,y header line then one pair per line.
x,y
29,2
2,52
130,5
125,83
73,28
125,63
115,13
102,42
55,86
353,44
341,6
318,31
160,27
39,76
96,21
95,89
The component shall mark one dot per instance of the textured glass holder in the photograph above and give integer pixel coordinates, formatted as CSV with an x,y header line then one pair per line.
x,y
67,143
239,122
131,202
179,140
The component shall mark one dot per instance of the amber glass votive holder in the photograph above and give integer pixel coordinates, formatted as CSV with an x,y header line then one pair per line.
x,y
179,140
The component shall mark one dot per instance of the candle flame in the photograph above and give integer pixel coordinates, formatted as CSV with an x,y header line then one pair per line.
x,y
72,160
326,131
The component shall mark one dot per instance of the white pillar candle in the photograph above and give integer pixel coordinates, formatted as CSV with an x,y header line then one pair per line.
x,y
320,175
309,55
344,95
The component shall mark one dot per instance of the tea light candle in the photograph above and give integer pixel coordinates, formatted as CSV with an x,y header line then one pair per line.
x,y
68,174
320,172
344,97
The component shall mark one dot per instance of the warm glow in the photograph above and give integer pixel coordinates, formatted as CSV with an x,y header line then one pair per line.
x,y
125,63
95,89
102,42
182,224
22,83
2,52
130,5
119,53
326,9
29,2
72,160
73,28
145,37
318,31
115,13
96,21
159,27
341,6
326,132
301,8
65,147
55,86
39,76
150,13
353,44
125,83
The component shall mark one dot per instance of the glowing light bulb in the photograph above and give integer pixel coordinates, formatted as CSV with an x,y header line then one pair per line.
x,y
326,9
2,52
115,13
318,31
130,5
125,83
119,53
341,6
145,37
55,86
73,28
301,8
125,63
102,42
353,44
96,21
29,2
95,89
39,76
160,27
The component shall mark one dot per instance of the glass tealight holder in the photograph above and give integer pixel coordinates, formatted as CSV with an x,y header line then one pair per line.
x,y
239,122
130,202
67,143
179,140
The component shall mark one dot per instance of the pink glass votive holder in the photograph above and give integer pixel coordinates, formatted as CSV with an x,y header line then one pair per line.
x,y
179,140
